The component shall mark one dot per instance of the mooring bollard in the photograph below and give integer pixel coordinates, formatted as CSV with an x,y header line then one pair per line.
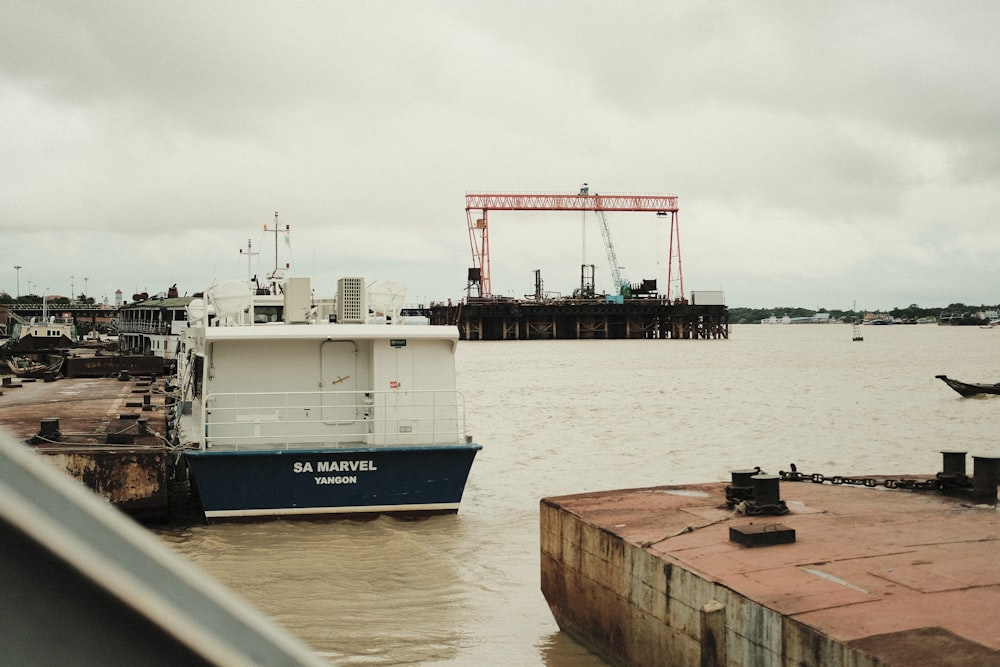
x,y
741,488
766,489
49,429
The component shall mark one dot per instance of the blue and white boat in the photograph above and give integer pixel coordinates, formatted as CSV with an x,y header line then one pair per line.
x,y
293,406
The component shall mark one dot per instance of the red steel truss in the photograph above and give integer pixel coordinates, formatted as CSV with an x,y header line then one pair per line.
x,y
479,238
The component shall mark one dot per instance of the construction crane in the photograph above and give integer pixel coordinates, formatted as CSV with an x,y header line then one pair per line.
x,y
478,206
609,248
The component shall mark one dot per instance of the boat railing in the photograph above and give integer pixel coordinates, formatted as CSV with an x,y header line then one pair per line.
x,y
144,327
297,420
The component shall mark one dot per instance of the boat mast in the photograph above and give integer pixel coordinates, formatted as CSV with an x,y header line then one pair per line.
x,y
275,241
250,255
275,231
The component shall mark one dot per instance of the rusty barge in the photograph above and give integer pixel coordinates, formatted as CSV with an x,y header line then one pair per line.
x,y
862,573
108,432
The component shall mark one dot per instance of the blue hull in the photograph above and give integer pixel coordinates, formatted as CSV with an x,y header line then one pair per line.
x,y
405,480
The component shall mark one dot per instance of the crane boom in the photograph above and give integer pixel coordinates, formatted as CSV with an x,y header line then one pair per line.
x,y
609,247
580,202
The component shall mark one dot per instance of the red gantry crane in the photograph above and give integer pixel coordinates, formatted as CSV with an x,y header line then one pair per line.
x,y
479,237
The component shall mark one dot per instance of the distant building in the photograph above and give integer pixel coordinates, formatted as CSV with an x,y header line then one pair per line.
x,y
818,318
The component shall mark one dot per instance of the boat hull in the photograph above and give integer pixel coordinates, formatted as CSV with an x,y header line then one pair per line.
x,y
969,389
41,343
26,368
344,481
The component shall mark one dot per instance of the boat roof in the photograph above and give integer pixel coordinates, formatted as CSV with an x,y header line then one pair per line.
x,y
332,331
172,302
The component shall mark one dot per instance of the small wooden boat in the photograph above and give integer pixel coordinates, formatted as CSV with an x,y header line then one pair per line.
x,y
26,368
967,389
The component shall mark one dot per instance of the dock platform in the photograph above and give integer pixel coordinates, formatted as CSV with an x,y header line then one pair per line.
x,y
107,432
867,577
516,319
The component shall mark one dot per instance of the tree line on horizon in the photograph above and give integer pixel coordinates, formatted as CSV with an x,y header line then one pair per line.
x,y
35,299
911,312
737,315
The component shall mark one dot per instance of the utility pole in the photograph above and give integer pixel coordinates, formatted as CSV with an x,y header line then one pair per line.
x,y
17,267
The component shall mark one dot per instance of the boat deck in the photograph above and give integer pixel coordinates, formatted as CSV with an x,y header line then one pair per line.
x,y
271,428
873,576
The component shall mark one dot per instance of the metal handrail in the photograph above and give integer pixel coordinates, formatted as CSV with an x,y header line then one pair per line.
x,y
296,420
144,327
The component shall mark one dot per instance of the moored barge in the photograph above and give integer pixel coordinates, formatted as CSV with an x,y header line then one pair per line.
x,y
106,432
837,575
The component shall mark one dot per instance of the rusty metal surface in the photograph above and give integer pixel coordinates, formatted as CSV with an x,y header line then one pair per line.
x,y
872,574
132,479
92,412
107,365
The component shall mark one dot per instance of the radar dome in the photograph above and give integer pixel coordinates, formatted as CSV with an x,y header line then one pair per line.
x,y
230,298
195,311
386,297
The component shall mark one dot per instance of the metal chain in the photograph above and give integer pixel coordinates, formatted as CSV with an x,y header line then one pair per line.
x,y
750,508
942,482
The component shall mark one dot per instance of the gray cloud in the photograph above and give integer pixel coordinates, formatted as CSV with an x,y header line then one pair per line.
x,y
824,153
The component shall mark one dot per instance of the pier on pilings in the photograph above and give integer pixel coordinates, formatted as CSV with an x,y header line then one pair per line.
x,y
568,319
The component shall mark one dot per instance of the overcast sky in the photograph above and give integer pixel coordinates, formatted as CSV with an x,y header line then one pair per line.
x,y
825,154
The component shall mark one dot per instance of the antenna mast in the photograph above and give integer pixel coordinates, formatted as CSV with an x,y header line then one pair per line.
x,y
250,255
277,229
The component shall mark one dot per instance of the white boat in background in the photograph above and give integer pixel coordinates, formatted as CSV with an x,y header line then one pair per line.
x,y
39,334
296,406
153,326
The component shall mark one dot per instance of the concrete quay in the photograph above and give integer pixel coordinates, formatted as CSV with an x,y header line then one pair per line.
x,y
672,575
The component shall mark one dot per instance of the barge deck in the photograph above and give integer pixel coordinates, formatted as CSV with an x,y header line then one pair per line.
x,y
867,577
106,432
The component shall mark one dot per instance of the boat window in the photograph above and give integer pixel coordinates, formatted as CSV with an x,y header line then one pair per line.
x,y
263,314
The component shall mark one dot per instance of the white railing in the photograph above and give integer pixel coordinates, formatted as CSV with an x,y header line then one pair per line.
x,y
144,327
298,420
